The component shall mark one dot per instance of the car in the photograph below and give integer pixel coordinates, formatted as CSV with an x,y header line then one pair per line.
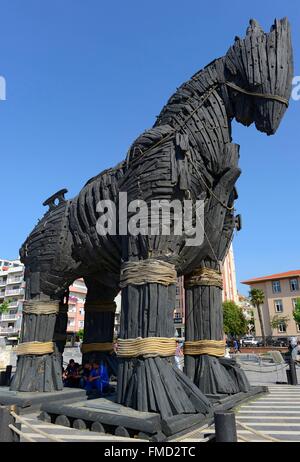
x,y
248,340
280,341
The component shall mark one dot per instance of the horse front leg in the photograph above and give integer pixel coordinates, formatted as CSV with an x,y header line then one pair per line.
x,y
205,348
148,379
204,345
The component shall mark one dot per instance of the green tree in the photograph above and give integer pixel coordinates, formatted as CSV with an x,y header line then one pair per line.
x,y
296,312
257,298
80,334
277,320
4,307
233,319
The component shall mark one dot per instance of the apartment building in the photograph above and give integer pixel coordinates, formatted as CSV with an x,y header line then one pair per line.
x,y
12,291
229,278
281,293
117,315
77,296
179,312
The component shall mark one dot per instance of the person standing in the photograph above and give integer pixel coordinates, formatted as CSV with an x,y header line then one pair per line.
x,y
178,355
296,352
235,346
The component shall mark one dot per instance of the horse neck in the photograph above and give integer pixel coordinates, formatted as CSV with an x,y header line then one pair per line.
x,y
200,109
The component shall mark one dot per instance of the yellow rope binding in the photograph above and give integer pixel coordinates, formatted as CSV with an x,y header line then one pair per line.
x,y
35,348
147,271
41,307
101,347
205,347
147,347
204,277
100,307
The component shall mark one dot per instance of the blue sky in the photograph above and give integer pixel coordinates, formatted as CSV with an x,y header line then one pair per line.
x,y
85,78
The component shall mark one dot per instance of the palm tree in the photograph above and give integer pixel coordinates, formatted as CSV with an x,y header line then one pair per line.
x,y
257,298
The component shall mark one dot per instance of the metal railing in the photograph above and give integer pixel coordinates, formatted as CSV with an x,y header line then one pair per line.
x,y
8,330
14,280
14,292
7,316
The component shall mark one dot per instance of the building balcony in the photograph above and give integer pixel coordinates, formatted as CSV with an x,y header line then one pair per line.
x,y
9,330
8,316
2,283
14,280
77,289
14,292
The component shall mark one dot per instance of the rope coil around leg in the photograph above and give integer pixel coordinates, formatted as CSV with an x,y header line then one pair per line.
x,y
35,348
41,307
147,271
100,307
205,347
147,347
204,277
105,347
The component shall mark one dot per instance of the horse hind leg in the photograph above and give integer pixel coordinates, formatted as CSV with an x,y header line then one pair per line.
x,y
99,324
42,341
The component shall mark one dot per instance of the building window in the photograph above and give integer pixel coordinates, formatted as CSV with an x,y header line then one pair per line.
x,y
177,315
278,306
81,324
294,285
276,287
281,327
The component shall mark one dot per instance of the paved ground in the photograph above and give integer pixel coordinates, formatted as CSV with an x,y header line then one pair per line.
x,y
273,416
63,434
276,415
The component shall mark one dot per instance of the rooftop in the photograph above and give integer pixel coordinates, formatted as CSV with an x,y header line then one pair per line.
x,y
287,274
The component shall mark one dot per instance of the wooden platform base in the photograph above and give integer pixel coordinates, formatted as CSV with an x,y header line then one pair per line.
x,y
29,401
106,416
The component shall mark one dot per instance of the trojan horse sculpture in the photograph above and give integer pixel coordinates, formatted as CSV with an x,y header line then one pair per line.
x,y
188,154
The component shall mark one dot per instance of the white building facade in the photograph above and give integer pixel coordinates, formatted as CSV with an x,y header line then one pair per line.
x,y
12,291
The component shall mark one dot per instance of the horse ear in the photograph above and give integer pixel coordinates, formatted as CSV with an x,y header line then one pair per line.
x,y
254,27
243,59
253,43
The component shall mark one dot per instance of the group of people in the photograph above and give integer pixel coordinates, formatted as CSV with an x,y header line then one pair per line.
x,y
90,376
234,344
